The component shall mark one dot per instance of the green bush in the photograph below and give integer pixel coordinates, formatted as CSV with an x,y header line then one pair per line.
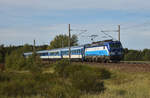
x,y
102,73
84,78
14,85
60,67
133,55
18,88
5,76
15,61
86,81
63,90
146,55
1,58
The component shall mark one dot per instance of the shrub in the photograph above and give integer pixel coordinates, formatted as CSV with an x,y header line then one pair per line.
x,y
133,55
15,61
18,88
63,90
4,76
86,82
1,58
60,67
102,73
121,92
84,78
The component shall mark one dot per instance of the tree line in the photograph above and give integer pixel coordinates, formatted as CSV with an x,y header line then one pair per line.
x,y
58,42
136,55
62,41
8,50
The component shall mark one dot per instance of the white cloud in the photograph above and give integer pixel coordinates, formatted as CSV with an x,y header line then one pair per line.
x,y
79,4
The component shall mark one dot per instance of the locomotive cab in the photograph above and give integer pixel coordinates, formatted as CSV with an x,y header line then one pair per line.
x,y
116,51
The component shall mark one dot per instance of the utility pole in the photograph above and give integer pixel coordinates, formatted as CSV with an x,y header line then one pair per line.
x,y
69,44
34,46
119,32
34,50
62,43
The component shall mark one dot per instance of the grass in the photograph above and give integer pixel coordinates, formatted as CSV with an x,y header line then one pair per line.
x,y
127,81
125,85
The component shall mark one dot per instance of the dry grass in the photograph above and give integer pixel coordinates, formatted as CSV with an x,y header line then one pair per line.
x,y
128,81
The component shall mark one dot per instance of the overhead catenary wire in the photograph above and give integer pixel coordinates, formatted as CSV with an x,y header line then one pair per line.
x,y
135,25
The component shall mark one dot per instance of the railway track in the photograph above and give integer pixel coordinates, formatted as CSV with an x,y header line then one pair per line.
x,y
135,62
122,62
123,66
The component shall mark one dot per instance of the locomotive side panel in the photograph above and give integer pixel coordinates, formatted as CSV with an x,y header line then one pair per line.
x,y
99,53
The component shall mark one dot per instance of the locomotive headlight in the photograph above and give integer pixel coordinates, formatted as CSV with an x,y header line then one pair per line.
x,y
115,53
112,53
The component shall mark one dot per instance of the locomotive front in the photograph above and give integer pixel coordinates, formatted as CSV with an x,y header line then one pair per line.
x,y
115,51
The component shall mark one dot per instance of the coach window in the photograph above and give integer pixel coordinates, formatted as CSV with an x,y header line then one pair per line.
x,y
65,52
79,51
57,53
71,51
74,51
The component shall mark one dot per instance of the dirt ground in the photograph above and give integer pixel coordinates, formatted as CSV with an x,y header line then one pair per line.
x,y
128,67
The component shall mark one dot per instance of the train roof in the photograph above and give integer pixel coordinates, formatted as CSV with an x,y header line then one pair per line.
x,y
98,43
27,53
72,48
105,41
56,50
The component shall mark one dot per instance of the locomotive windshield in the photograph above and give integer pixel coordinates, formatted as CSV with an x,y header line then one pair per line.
x,y
115,45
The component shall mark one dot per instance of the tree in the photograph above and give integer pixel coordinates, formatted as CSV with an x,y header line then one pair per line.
x,y
62,41
133,55
15,60
2,53
146,54
27,48
1,57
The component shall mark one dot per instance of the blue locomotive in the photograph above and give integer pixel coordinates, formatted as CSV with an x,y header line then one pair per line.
x,y
102,51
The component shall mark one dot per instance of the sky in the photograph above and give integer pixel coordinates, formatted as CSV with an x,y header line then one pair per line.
x,y
22,21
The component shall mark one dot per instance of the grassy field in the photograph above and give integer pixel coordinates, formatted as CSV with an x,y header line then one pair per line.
x,y
128,81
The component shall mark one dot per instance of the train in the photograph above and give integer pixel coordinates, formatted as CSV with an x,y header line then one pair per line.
x,y
101,51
